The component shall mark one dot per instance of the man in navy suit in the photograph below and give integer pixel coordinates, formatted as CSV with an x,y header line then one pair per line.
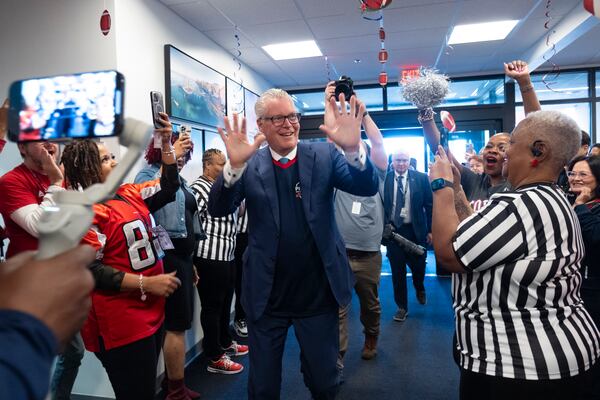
x,y
408,204
295,267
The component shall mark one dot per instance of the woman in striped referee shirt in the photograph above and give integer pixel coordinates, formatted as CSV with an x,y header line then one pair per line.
x,y
522,329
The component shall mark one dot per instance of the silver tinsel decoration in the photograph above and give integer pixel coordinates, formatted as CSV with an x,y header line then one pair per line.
x,y
428,90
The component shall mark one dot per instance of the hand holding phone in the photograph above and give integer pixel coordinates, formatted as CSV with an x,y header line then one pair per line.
x,y
158,106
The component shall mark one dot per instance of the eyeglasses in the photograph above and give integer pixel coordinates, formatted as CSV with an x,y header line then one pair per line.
x,y
108,158
581,175
278,120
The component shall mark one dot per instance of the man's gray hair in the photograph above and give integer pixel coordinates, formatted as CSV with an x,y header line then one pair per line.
x,y
559,131
260,108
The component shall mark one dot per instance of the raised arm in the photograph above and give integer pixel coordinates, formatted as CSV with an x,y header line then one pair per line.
x,y
519,71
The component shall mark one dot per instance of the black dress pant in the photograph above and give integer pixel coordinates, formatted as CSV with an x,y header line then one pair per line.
x,y
398,261
215,288
131,368
241,242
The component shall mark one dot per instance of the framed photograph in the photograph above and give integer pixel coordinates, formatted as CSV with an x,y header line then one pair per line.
x,y
250,99
235,98
194,91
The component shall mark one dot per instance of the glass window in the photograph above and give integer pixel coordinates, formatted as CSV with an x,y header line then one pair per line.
x,y
567,85
598,83
372,97
596,138
580,112
310,103
413,145
473,92
462,93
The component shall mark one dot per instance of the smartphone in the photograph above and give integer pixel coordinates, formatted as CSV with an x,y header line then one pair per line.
x,y
444,138
158,106
56,108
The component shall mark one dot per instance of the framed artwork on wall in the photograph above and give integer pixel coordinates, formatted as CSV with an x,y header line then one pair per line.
x,y
250,99
194,91
235,98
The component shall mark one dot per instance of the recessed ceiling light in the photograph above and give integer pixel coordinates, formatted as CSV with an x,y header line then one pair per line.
x,y
291,50
483,32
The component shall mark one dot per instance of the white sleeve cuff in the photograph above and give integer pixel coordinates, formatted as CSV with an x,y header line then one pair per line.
x,y
232,175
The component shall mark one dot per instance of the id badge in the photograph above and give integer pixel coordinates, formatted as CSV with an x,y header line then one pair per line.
x,y
157,247
356,208
163,237
403,213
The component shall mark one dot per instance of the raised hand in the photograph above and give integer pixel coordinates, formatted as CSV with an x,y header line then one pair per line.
x,y
182,145
345,131
51,168
328,117
239,149
166,131
442,167
162,285
584,194
518,70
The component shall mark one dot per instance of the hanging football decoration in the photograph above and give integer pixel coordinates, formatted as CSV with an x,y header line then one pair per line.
x,y
105,22
383,54
593,7
374,5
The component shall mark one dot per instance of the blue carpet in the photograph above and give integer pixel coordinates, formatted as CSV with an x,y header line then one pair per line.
x,y
414,358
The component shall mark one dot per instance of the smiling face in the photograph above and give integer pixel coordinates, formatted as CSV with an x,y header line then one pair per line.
x,y
581,176
107,162
282,139
493,154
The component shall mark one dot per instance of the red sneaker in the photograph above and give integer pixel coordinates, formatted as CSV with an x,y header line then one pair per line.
x,y
224,365
236,349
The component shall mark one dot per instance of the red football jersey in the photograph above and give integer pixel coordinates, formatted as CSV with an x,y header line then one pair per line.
x,y
121,233
19,188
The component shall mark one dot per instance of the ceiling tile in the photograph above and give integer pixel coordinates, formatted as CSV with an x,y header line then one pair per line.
x,y
253,12
278,32
226,38
201,15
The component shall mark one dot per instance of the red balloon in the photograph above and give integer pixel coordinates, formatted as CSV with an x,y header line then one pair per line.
x,y
105,22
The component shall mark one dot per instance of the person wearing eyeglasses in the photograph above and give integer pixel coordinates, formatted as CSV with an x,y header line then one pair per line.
x,y
584,182
296,271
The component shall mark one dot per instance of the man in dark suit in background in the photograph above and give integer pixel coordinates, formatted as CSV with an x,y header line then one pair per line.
x,y
407,205
295,267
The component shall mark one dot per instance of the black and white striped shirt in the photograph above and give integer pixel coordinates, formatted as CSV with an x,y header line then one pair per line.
x,y
220,242
518,309
242,226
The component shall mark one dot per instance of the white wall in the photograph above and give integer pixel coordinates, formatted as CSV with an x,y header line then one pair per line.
x,y
40,38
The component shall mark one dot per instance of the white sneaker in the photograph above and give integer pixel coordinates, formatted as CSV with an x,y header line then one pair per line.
x,y
240,327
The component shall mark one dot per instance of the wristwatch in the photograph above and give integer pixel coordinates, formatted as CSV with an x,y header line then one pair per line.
x,y
440,183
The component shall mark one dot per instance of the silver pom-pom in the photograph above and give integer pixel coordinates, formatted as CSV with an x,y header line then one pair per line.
x,y
427,90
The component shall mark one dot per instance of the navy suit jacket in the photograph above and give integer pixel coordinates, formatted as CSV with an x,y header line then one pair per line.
x,y
421,202
321,168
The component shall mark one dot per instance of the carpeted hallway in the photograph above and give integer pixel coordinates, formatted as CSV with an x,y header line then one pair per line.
x,y
414,357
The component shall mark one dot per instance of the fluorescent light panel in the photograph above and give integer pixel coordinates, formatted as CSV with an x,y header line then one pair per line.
x,y
291,50
483,32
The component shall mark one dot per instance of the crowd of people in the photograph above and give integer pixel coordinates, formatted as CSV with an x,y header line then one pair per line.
x,y
292,229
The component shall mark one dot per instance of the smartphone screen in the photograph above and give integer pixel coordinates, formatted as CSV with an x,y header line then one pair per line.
x,y
158,106
85,105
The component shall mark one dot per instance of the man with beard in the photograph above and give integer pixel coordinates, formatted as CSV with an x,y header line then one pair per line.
x,y
479,187
26,190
